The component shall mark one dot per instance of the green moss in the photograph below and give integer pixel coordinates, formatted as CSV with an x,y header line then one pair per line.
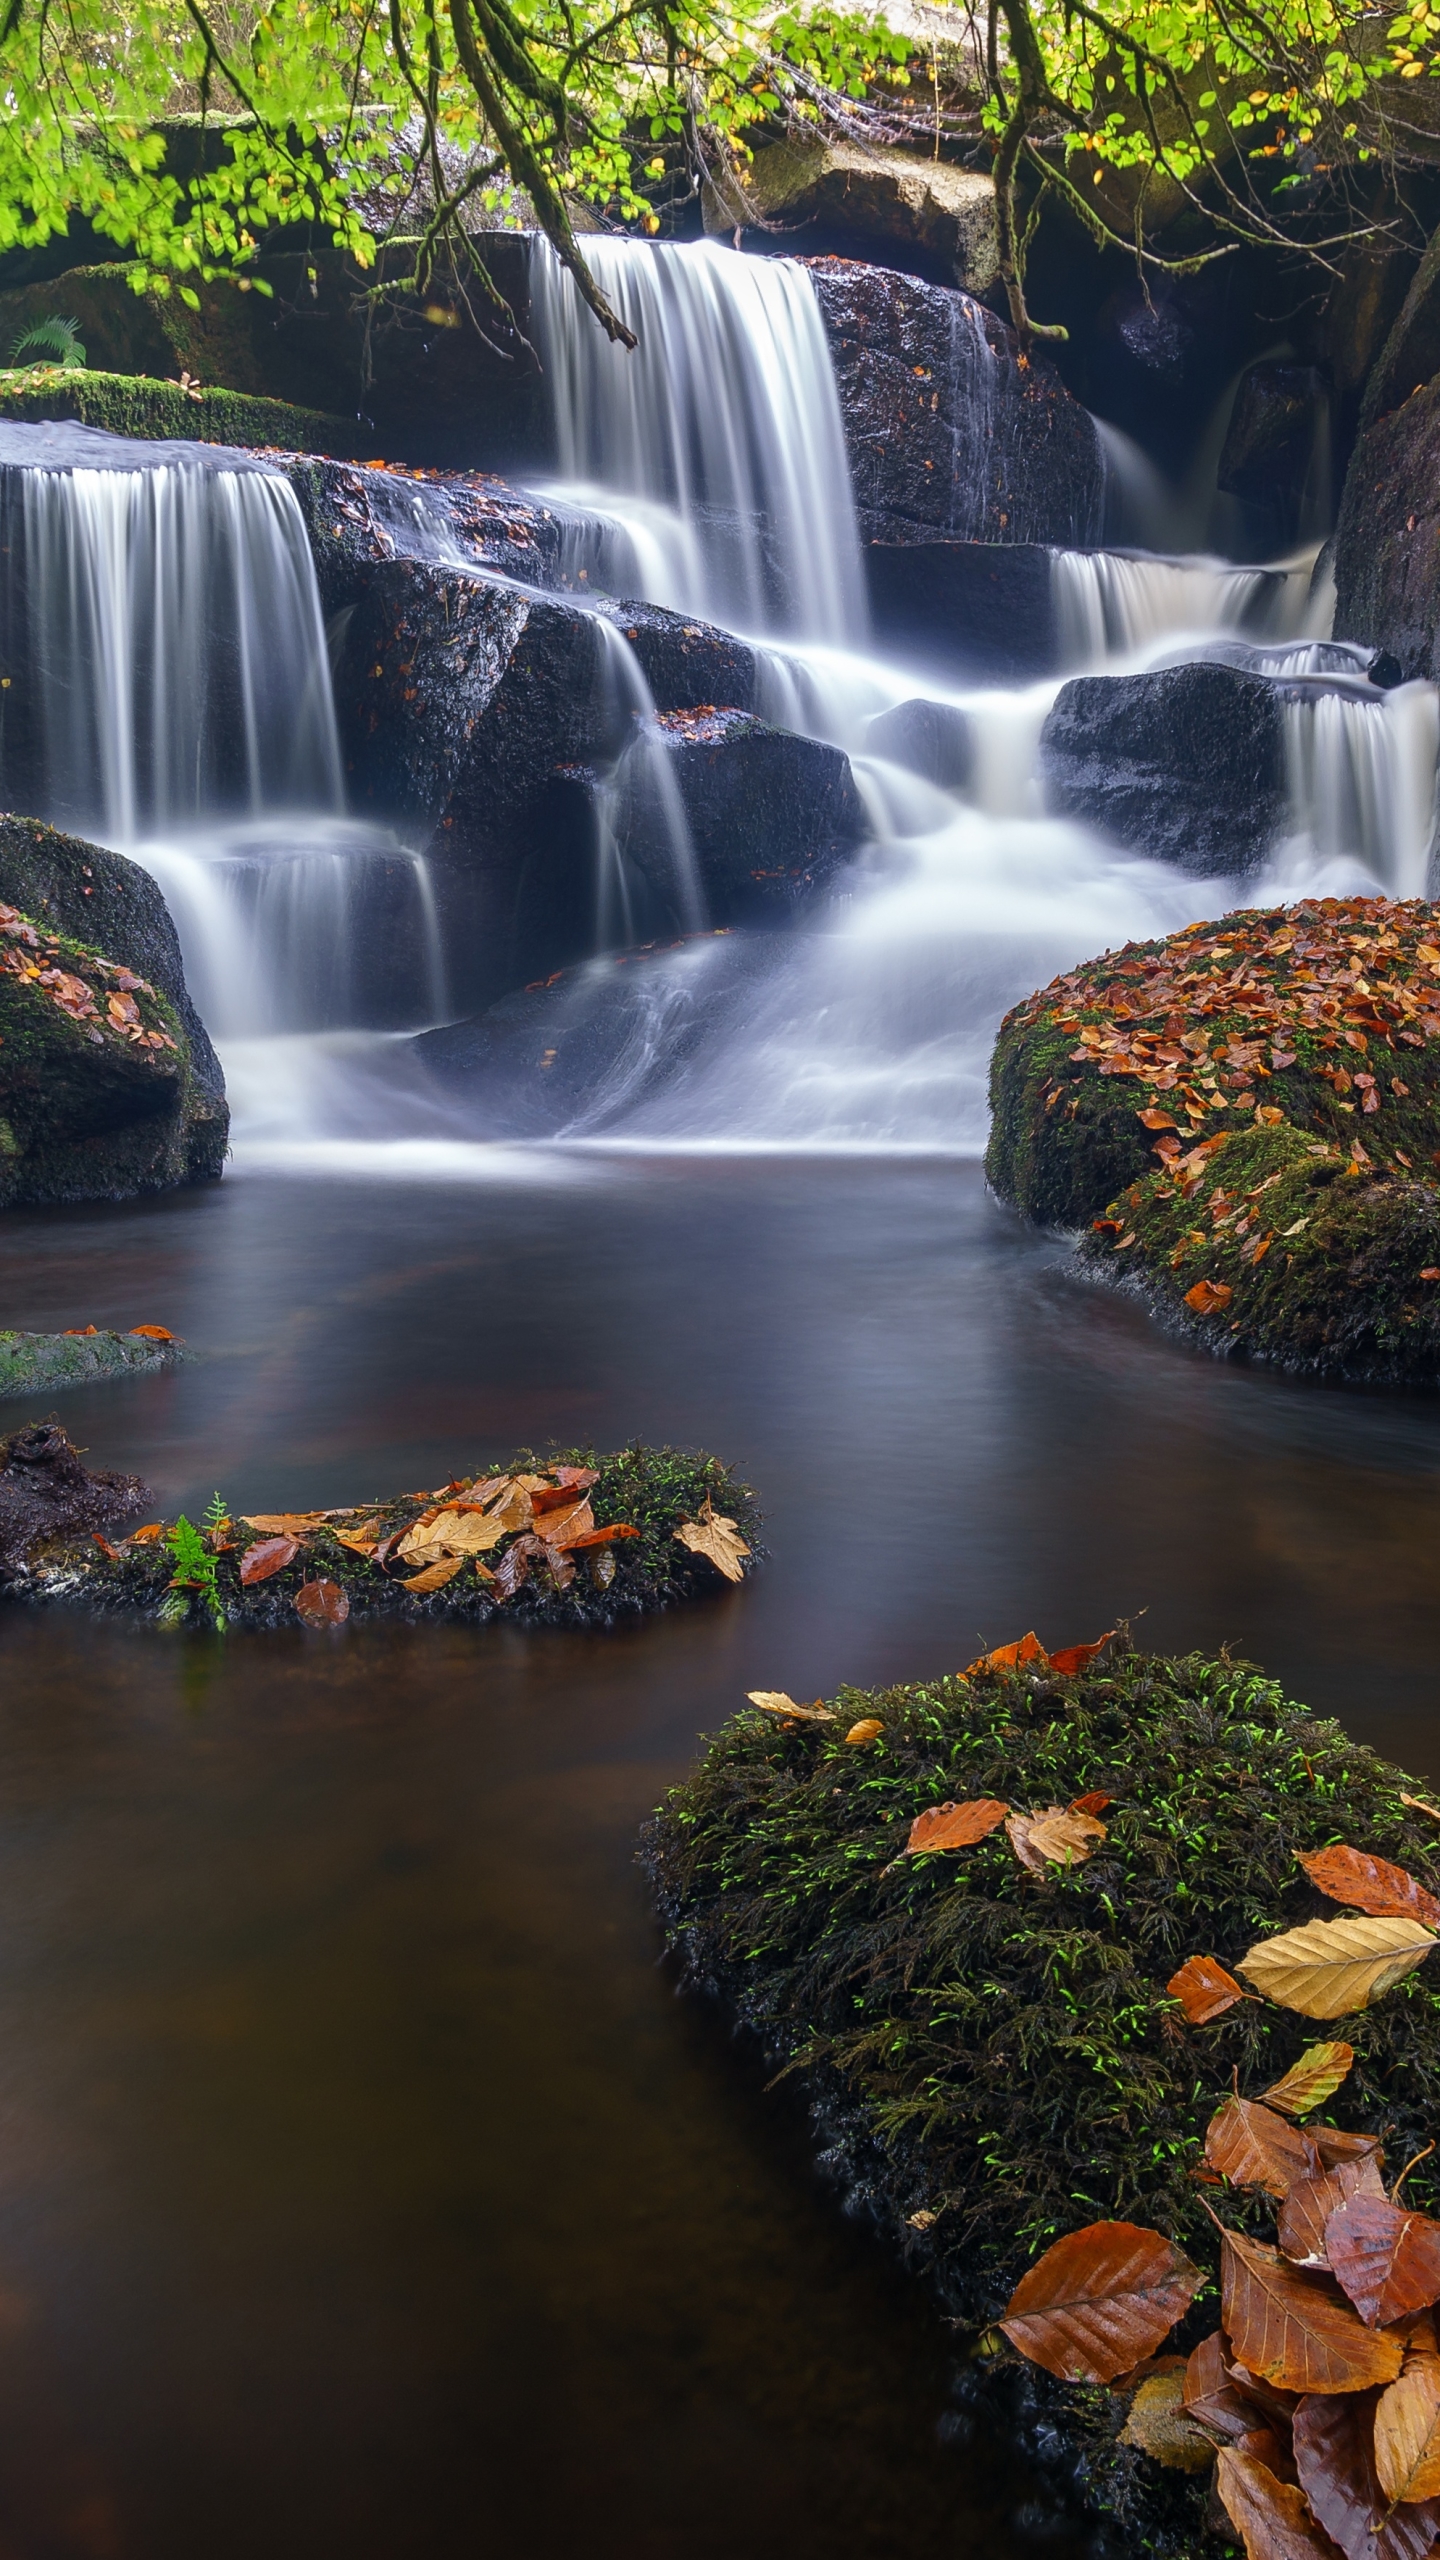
x,y
997,2049
136,405
653,1490
34,1362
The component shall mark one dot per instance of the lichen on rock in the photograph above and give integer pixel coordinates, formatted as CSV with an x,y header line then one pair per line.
x,y
1244,1120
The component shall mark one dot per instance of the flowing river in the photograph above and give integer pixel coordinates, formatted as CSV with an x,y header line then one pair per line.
x,y
365,2187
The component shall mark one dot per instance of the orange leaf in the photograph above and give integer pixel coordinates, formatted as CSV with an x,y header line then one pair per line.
x,y
1073,1658
1204,1989
1008,1657
78,1332
955,1826
1271,2518
152,1332
267,1556
322,1604
435,1576
869,1729
1334,2445
1099,2301
1311,2202
1095,1802
1253,2147
1371,1884
105,1547
1387,2260
602,1537
147,1536
284,1524
579,1479
556,1497
563,1528
1210,2395
1296,2330
362,1541
1156,1120
1208,1296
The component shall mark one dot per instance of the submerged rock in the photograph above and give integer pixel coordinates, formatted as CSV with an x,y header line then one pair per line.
x,y
1245,1120
990,2054
47,1492
32,1362
934,739
1187,765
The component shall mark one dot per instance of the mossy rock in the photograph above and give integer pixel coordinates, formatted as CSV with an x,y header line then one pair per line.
x,y
138,405
1244,1119
31,1362
650,1490
991,2054
99,1098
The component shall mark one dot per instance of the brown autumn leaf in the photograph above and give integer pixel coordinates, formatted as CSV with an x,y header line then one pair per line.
x,y
1417,1804
1159,2425
868,1729
1054,1837
777,1702
105,1547
1095,1802
1009,1657
576,1479
1295,2330
1211,2397
513,1569
362,1541
1209,1296
1251,2147
563,1527
1371,1884
1334,2447
146,1537
153,1332
435,1576
1334,2147
1099,2301
602,1537
458,1530
1330,1967
283,1524
267,1556
717,1539
1386,2260
1310,2081
1072,1658
557,1497
322,1604
1204,1989
511,1510
954,1826
1311,2201
1407,2434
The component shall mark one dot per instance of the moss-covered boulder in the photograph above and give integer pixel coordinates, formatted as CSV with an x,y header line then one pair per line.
x,y
1244,1119
991,2053
34,1363
141,405
99,1094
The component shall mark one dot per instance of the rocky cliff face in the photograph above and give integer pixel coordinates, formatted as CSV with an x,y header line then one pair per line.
x,y
1387,542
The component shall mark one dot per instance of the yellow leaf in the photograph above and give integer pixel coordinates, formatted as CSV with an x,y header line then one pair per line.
x,y
1330,1967
1310,2081
869,1729
1158,2425
1407,2434
1054,1837
455,1533
717,1539
774,1702
435,1576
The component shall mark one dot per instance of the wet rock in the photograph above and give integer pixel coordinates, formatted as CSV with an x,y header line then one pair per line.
x,y
949,434
1276,444
771,816
1410,356
933,739
47,1491
1387,539
893,205
1186,765
982,611
34,1362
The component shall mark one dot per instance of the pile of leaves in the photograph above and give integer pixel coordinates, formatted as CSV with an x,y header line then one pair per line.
x,y
95,993
1245,1119
578,1539
1028,1931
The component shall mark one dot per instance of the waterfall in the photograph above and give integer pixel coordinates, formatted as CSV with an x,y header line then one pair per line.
x,y
721,432
1115,603
1362,781
168,624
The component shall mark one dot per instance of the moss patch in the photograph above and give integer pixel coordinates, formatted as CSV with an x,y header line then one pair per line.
x,y
138,405
654,1490
996,2049
1254,1104
31,1361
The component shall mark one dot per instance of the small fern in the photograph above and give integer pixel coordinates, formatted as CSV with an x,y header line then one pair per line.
x,y
53,341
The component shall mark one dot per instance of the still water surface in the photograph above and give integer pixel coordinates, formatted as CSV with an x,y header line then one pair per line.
x,y
364,2188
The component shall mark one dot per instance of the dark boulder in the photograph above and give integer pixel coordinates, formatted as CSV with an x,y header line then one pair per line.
x,y
1410,356
47,1491
771,816
1387,540
949,432
984,612
1186,765
933,739
919,214
1275,443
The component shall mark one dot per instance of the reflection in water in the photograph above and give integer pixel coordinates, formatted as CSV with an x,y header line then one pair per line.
x,y
365,2188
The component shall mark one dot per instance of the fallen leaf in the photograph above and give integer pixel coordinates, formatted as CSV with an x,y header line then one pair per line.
x,y
512,1510
456,1531
1053,1837
775,1702
578,1478
1156,1120
1295,2330
267,1556
153,1332
1418,1804
1211,2398
1072,1658
1335,2458
283,1524
1208,1296
1099,2301
1371,1884
1204,1989
1331,1967
1009,1657
1308,2207
555,1497
924,2220
869,1729
322,1604
954,1826
435,1576
603,1537
1253,2148
147,1536
717,1539
1386,2260
1407,2434
1159,2424
1310,2081
1095,1802
1334,2147
566,1527
362,1541
512,1571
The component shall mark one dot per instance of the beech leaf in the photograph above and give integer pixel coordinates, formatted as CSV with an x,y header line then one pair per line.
x,y
1161,2426
1009,1657
1334,2446
775,1702
1310,2081
868,1729
1309,2205
1295,2330
267,1556
1072,1658
435,1576
1213,2399
602,1537
955,1826
1271,2518
322,1604
284,1524
1407,2434
1330,1967
1371,1884
1204,1989
1209,1296
1099,2301
1253,2148
561,1528
1386,2260
1053,1837
717,1539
